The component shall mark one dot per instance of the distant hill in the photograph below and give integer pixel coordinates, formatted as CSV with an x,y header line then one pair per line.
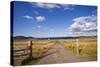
x,y
88,36
47,38
57,38
22,37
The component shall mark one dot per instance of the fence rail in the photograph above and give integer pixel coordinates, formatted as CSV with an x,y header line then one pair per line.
x,y
22,55
21,42
23,52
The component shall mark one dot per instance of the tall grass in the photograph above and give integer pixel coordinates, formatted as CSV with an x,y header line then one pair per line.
x,y
39,47
87,47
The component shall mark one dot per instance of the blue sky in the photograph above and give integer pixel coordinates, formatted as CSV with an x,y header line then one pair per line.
x,y
53,20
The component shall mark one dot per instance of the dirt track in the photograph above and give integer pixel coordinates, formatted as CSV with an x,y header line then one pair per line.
x,y
59,55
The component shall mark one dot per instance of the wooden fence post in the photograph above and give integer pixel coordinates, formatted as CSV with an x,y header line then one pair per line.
x,y
30,48
77,46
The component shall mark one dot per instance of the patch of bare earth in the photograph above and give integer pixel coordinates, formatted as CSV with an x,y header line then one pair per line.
x,y
59,55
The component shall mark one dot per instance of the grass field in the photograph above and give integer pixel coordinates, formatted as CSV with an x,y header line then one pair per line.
x,y
87,48
39,47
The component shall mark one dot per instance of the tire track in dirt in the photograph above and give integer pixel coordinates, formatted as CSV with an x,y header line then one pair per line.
x,y
60,56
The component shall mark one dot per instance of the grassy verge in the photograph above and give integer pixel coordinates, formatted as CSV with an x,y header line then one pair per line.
x,y
39,47
87,47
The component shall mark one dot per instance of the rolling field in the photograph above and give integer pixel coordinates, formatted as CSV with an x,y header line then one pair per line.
x,y
64,48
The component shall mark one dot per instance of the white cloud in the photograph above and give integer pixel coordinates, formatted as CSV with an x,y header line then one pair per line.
x,y
52,5
37,27
46,5
68,7
28,17
40,18
84,25
86,19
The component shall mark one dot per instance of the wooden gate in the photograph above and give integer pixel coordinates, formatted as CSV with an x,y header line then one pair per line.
x,y
17,52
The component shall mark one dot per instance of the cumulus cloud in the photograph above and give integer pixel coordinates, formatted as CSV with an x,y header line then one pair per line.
x,y
40,18
86,19
27,17
52,6
84,24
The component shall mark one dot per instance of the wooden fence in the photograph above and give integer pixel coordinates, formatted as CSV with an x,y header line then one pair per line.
x,y
18,52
